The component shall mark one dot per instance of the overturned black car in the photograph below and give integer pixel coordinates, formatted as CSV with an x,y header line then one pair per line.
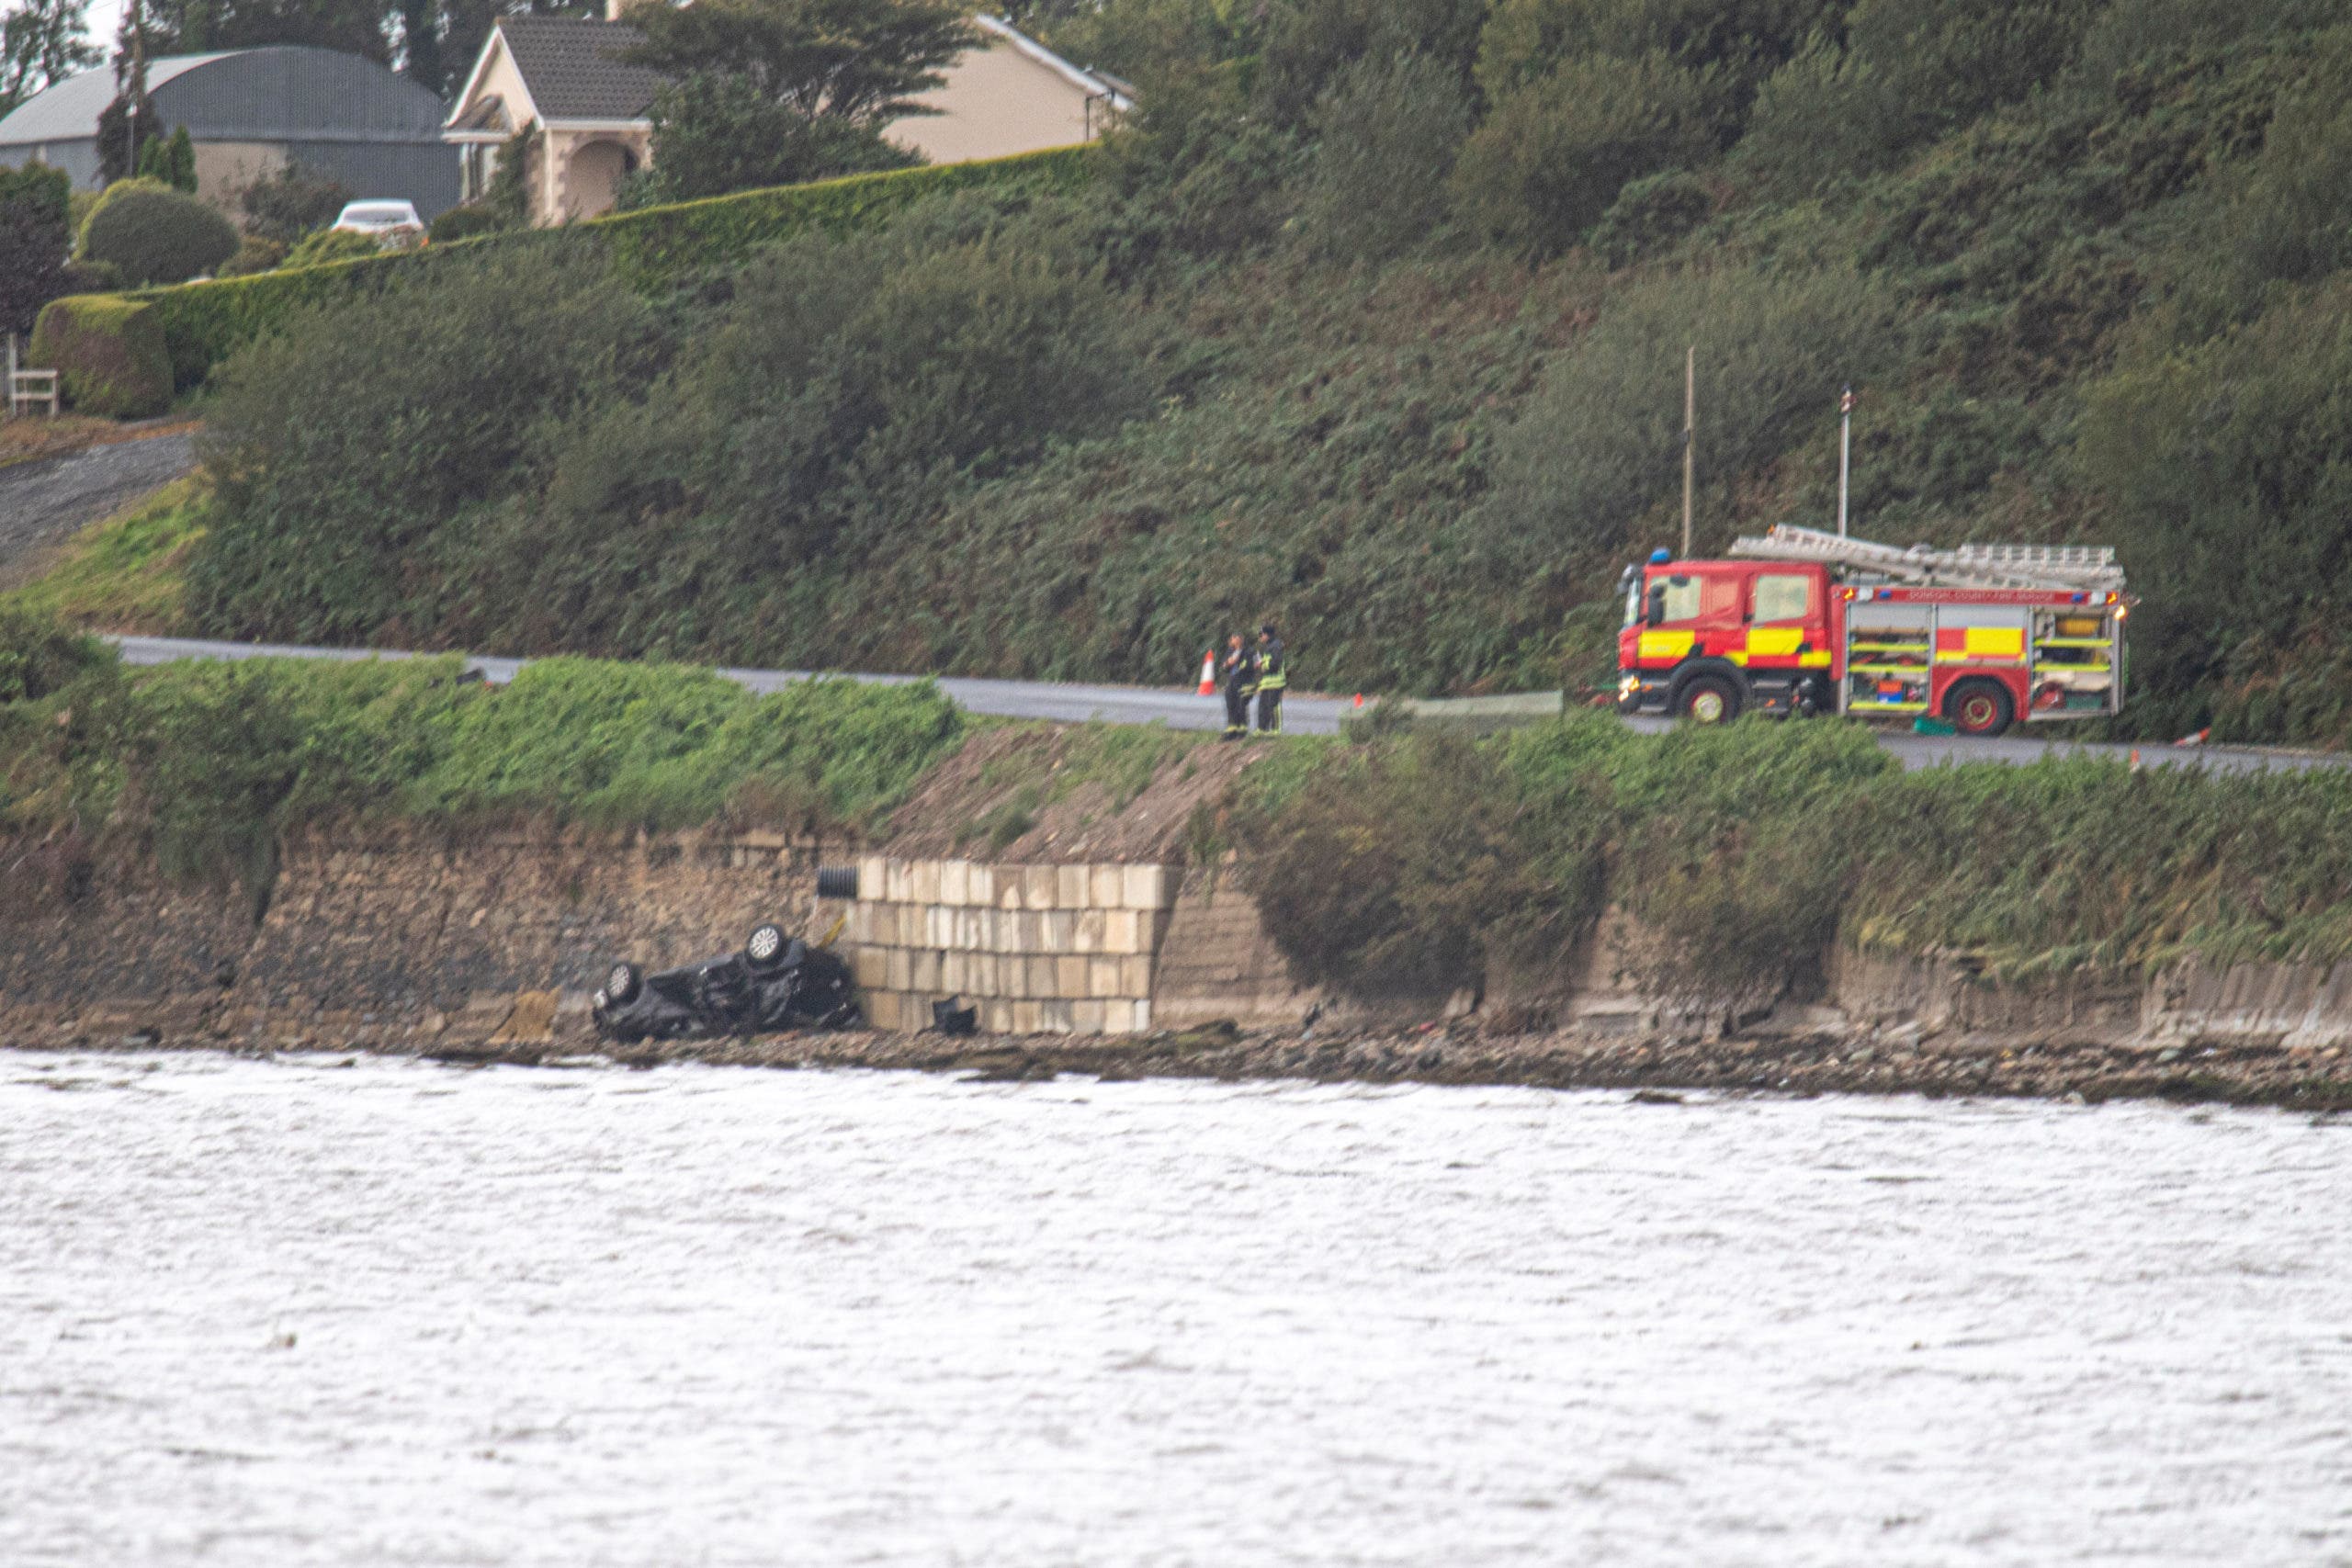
x,y
775,983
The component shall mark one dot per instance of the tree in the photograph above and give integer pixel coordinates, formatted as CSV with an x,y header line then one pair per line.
x,y
716,134
859,60
41,43
192,27
124,137
172,162
34,235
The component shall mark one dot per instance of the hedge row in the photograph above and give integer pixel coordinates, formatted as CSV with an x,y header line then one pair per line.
x,y
204,322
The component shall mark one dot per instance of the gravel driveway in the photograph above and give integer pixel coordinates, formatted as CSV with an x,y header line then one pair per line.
x,y
47,500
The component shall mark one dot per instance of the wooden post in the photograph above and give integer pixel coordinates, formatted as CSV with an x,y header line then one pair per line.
x,y
1690,439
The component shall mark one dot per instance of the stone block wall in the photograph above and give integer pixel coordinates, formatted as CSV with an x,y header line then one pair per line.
x,y
1035,948
1219,962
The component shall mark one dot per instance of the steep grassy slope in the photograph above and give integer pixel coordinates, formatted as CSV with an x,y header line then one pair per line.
x,y
1374,326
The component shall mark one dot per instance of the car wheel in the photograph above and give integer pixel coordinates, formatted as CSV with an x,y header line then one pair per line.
x,y
622,984
1708,699
1979,707
765,945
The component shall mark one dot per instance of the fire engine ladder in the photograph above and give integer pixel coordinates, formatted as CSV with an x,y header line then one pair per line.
x,y
2063,567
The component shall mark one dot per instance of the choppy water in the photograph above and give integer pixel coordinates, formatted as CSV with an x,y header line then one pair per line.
x,y
290,1313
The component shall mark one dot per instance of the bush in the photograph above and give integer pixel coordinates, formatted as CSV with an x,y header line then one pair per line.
x,y
290,202
844,389
1907,71
158,236
329,245
110,354
1403,869
1601,438
1553,155
206,323
1386,135
2227,457
39,656
468,221
715,134
93,278
255,255
35,202
114,192
1649,215
339,448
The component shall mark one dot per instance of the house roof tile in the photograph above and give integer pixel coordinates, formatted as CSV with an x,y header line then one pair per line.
x,y
573,71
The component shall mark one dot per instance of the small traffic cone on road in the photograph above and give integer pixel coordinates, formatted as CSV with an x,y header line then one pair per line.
x,y
2135,759
1208,673
2196,740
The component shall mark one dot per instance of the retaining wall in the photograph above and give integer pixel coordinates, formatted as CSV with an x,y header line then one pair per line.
x,y
1037,948
405,940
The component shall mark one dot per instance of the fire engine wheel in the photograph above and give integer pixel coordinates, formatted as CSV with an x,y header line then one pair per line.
x,y
1980,707
1708,699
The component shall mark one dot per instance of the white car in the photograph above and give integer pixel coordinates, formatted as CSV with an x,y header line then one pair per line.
x,y
389,223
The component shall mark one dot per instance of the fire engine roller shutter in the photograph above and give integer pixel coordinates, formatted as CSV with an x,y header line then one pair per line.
x,y
1980,645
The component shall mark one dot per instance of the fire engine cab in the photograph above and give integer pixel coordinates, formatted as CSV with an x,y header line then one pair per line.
x,y
1809,622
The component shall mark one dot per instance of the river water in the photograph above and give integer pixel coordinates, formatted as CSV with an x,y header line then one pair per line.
x,y
314,1311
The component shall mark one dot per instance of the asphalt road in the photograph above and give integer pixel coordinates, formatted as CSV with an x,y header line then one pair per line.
x,y
49,498
1307,715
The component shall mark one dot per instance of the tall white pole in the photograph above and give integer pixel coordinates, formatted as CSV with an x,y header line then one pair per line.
x,y
1690,439
1845,454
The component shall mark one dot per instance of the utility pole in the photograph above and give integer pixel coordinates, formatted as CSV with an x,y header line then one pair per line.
x,y
1690,439
1845,454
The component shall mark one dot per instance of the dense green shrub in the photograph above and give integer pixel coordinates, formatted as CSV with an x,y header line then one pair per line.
x,y
1903,72
34,239
1386,131
715,134
468,221
1405,869
1649,215
1551,157
651,249
2230,459
845,384
110,354
324,247
289,202
39,657
657,245
158,236
1309,44
340,448
1601,440
255,255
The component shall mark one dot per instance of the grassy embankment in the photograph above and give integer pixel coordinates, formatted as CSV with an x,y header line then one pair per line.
x,y
1385,863
1374,325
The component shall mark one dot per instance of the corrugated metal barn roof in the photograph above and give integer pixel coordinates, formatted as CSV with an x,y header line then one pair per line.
x,y
251,95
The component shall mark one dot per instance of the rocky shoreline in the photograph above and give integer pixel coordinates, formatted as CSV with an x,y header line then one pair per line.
x,y
2315,1079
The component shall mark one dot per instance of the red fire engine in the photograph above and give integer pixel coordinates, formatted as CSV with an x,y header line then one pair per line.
x,y
1811,623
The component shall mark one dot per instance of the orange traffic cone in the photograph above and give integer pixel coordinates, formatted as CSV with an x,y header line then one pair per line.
x,y
1208,673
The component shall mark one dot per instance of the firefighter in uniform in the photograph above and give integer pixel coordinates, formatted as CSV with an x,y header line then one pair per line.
x,y
1239,668
1273,675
